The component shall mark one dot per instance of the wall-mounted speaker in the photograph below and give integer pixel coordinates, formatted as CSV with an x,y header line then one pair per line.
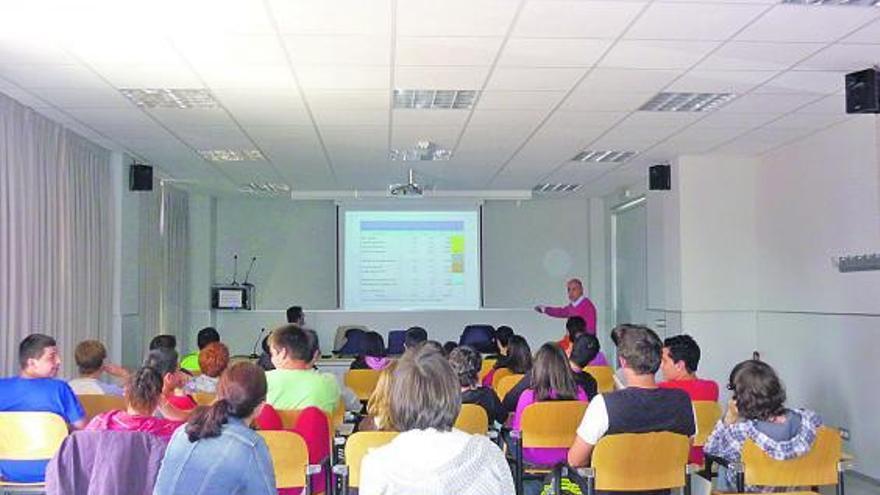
x,y
660,177
863,91
140,178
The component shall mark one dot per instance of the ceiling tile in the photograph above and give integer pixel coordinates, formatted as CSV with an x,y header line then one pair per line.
x,y
844,58
191,117
455,17
819,82
223,16
209,137
84,98
519,100
129,50
405,136
149,76
503,118
714,81
339,50
657,54
264,106
769,103
584,120
867,34
333,116
589,101
457,51
748,55
414,117
53,76
543,79
370,17
32,51
411,77
576,19
327,77
693,21
724,119
248,76
799,120
352,99
112,117
553,52
833,105
806,23
626,80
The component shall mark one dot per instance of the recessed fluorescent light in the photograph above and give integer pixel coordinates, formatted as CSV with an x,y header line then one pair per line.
x,y
686,102
850,3
435,99
232,155
268,188
423,151
170,98
555,188
603,156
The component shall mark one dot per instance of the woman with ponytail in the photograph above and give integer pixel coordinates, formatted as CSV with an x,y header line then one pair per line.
x,y
217,452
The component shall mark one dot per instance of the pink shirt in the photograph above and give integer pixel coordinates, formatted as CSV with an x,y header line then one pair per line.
x,y
122,421
584,308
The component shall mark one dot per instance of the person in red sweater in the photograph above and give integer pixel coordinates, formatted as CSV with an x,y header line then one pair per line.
x,y
681,356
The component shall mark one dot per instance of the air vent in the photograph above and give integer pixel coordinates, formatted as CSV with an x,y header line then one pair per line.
x,y
603,156
232,155
686,102
423,151
556,188
170,98
435,99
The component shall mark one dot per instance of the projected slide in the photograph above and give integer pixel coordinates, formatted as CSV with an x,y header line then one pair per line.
x,y
411,260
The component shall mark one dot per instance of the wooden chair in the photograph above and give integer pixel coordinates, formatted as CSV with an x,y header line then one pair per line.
x,y
506,385
472,419
29,436
357,446
95,404
550,424
604,376
822,465
290,459
639,462
486,367
499,375
204,398
362,382
708,413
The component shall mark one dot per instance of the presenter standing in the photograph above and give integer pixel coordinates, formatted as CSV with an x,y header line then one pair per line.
x,y
579,305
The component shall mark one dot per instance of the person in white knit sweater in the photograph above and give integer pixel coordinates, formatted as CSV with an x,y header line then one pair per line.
x,y
430,457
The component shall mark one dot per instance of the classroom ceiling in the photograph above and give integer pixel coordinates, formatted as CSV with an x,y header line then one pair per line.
x,y
309,83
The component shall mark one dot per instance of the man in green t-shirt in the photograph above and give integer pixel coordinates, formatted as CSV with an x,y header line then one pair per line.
x,y
294,383
207,335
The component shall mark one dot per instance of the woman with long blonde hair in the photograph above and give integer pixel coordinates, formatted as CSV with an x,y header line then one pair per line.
x,y
379,406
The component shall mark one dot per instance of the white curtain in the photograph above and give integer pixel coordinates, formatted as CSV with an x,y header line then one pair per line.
x,y
56,235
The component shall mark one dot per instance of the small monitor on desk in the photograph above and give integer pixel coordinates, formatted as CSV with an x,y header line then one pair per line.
x,y
231,297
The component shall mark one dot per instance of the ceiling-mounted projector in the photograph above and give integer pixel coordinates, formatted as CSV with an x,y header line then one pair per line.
x,y
410,189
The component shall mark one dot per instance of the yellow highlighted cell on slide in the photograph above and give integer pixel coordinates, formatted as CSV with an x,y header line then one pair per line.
x,y
456,243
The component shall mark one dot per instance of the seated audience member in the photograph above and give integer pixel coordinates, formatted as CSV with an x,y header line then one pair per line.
x,y
519,359
466,363
551,380
502,338
641,407
757,412
575,326
207,335
217,451
379,406
89,356
681,355
295,316
582,351
414,336
448,347
175,405
163,341
265,360
213,360
429,456
294,383
373,355
142,395
37,389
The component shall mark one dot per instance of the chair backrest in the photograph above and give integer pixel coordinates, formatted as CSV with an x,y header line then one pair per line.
x,y
641,461
290,457
396,338
95,404
480,337
499,374
362,382
604,376
288,417
472,419
817,467
708,413
352,339
486,367
204,398
28,436
338,416
551,423
506,384
357,446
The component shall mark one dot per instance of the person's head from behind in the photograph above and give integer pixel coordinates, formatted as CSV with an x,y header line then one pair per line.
x,y
466,362
425,391
379,405
502,338
164,341
551,374
241,390
448,347
143,391
583,350
519,355
214,359
291,347
89,356
38,356
374,345
414,337
206,336
638,349
681,356
757,390
575,326
295,315
575,289
314,345
165,361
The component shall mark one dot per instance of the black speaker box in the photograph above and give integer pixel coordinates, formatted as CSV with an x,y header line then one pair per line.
x,y
863,91
140,178
659,178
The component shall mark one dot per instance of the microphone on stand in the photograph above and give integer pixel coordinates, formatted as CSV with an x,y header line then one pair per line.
x,y
254,354
248,274
234,269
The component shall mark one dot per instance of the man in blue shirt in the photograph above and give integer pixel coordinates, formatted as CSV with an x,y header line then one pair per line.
x,y
36,389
